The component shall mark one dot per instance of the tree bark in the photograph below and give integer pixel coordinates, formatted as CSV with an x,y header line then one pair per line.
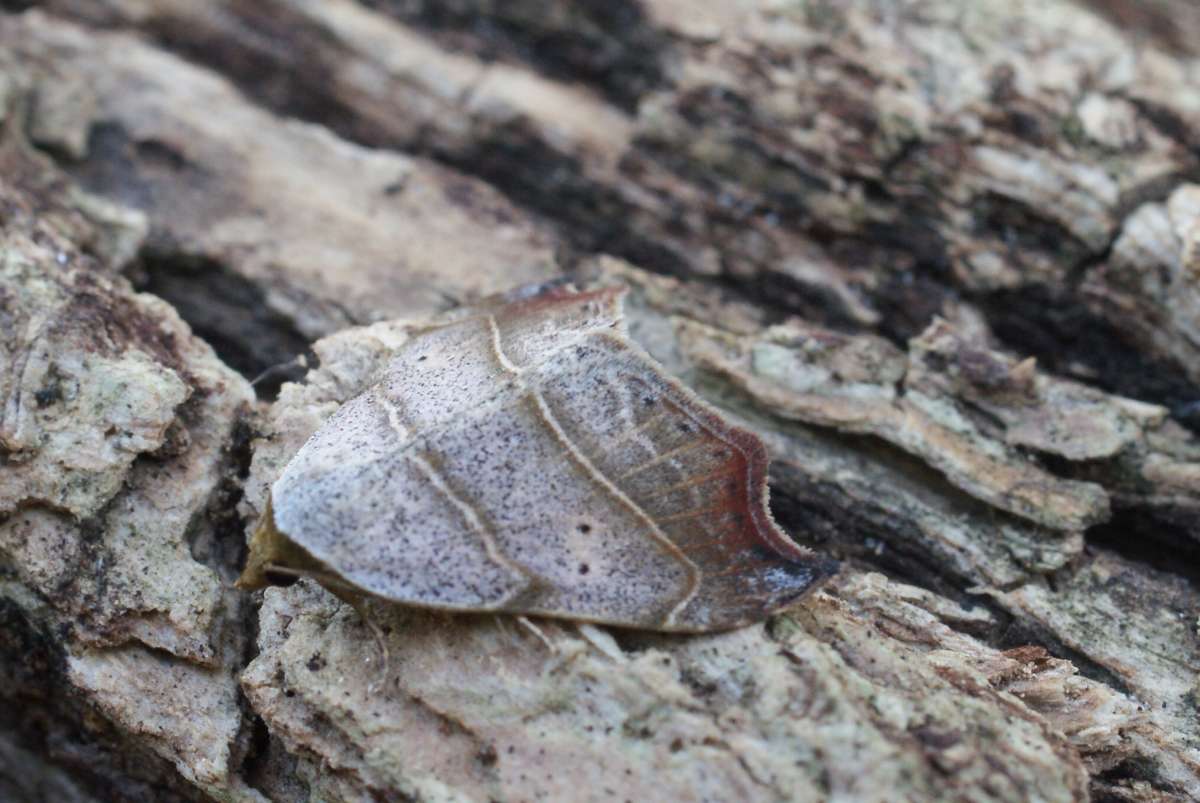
x,y
943,258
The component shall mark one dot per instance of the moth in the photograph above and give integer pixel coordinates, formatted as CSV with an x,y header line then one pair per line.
x,y
525,457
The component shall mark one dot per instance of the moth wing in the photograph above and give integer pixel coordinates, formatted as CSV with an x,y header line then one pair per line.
x,y
701,481
358,501
367,495
530,459
595,556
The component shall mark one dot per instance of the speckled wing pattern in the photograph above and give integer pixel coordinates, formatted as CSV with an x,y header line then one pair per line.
x,y
527,458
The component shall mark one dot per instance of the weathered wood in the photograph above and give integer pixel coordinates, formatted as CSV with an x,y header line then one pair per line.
x,y
940,257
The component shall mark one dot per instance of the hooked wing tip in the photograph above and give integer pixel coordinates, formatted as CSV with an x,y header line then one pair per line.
x,y
789,580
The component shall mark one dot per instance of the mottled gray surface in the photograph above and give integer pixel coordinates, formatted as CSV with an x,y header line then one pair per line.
x,y
939,256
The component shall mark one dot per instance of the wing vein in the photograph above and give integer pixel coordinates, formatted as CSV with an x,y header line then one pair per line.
x,y
498,348
690,482
662,458
694,575
474,521
633,432
691,514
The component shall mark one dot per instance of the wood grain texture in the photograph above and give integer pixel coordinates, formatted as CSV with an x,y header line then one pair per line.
x,y
976,214
525,457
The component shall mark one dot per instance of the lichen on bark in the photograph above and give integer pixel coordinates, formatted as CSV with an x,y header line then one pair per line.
x,y
940,257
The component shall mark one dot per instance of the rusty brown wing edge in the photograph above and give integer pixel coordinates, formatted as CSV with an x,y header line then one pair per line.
x,y
806,569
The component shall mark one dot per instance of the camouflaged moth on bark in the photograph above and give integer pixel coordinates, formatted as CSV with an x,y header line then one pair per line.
x,y
523,456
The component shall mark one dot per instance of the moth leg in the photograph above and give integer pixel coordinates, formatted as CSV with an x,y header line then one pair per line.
x,y
526,623
385,656
602,640
289,369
